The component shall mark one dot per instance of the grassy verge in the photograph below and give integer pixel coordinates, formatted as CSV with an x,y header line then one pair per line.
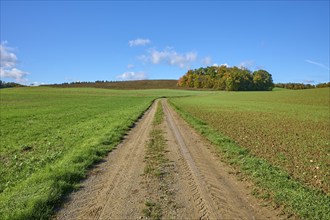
x,y
155,163
36,197
274,183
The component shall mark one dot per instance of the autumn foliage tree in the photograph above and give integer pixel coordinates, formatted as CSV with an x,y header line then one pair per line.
x,y
262,80
227,78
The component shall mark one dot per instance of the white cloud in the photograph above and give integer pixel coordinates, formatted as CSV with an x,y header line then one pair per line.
x,y
14,73
317,64
170,57
139,42
207,60
132,76
224,64
191,56
8,62
8,59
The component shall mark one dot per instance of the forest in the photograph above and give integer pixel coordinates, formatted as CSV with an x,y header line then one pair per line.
x,y
227,78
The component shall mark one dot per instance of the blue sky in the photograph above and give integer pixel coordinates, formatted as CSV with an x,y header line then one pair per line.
x,y
65,41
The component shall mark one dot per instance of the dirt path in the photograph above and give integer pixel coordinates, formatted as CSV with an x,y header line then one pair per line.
x,y
197,184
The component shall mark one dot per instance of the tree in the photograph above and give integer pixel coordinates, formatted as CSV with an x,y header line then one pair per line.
x,y
262,80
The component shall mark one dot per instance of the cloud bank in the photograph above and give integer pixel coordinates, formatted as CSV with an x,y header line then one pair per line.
x,y
170,56
132,76
139,42
14,73
8,62
8,59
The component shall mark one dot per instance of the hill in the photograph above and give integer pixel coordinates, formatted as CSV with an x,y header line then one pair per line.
x,y
130,85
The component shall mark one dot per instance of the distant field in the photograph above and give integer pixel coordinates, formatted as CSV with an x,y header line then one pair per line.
x,y
130,85
290,129
50,136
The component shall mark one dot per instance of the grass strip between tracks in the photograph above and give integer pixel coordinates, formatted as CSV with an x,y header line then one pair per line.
x,y
155,157
271,182
155,162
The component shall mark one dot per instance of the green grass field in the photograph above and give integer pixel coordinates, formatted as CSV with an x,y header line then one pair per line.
x,y
281,139
50,136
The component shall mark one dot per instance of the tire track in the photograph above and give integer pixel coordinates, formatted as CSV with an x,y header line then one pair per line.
x,y
207,208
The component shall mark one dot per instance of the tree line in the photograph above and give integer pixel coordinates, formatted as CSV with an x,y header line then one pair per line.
x,y
131,84
301,85
227,78
3,84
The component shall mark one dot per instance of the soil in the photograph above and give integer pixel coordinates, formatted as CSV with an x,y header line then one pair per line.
x,y
196,184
